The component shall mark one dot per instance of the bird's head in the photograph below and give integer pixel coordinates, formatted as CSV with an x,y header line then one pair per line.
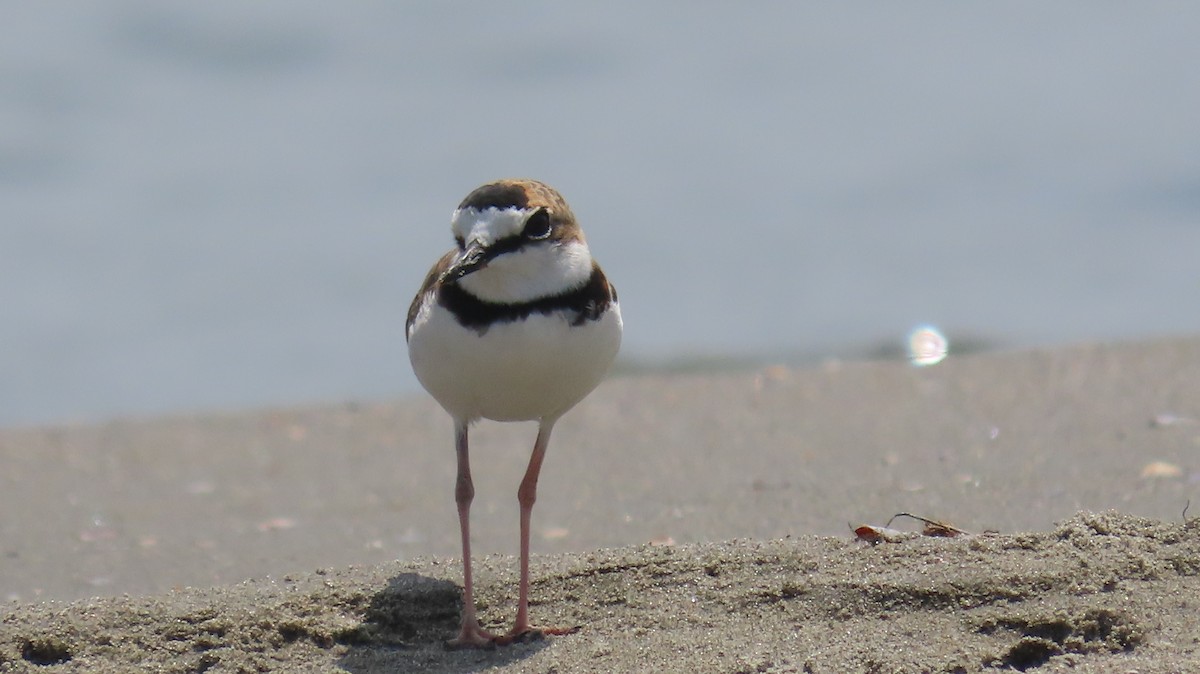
x,y
517,241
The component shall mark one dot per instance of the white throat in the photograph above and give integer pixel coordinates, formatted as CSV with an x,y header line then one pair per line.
x,y
536,271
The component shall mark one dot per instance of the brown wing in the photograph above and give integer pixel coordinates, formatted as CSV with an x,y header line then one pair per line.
x,y
427,287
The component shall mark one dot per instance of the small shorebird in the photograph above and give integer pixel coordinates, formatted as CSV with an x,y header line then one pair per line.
x,y
517,323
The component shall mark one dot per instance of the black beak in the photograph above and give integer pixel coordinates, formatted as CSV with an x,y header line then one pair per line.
x,y
474,258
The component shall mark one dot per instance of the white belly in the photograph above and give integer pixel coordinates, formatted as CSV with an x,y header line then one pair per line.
x,y
519,371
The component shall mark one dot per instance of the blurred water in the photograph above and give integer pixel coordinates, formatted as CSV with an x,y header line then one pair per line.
x,y
219,204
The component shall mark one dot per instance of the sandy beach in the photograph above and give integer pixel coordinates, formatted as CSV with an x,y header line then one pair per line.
x,y
686,523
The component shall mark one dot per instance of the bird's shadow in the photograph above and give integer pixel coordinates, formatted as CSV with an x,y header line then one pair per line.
x,y
405,628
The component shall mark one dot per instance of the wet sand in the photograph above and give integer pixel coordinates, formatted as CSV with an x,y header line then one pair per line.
x,y
685,523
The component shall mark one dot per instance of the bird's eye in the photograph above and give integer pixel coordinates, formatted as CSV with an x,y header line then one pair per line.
x,y
462,244
538,225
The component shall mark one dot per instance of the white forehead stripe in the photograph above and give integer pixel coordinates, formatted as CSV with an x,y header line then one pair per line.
x,y
488,225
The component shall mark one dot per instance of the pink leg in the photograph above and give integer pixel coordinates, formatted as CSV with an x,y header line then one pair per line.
x,y
526,496
470,634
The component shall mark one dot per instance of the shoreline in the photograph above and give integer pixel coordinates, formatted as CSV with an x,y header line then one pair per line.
x,y
726,464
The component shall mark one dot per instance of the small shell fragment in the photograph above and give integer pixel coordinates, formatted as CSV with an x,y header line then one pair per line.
x,y
1157,469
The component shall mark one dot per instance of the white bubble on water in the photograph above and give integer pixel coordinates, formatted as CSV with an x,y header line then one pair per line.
x,y
927,346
